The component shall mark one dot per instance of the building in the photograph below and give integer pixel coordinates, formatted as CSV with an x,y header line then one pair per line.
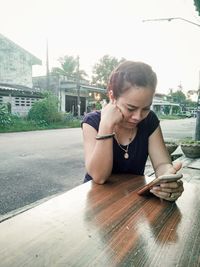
x,y
16,87
67,91
162,105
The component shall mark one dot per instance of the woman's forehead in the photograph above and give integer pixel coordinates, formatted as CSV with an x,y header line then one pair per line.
x,y
137,97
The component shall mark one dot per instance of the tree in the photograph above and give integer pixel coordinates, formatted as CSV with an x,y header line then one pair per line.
x,y
178,97
197,5
45,110
68,68
102,70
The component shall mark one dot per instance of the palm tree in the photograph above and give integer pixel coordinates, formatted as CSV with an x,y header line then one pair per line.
x,y
68,68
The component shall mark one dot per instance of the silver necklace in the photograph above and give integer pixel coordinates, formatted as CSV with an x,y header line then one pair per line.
x,y
126,155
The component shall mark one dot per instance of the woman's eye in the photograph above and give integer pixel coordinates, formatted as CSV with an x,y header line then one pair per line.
x,y
131,110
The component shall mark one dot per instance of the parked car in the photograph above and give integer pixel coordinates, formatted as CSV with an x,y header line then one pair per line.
x,y
185,114
194,113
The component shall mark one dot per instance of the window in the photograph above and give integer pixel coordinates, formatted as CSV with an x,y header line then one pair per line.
x,y
24,101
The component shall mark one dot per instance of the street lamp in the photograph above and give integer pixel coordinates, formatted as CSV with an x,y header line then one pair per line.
x,y
170,19
197,130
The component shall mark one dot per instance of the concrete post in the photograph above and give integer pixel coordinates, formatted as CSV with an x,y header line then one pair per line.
x,y
197,131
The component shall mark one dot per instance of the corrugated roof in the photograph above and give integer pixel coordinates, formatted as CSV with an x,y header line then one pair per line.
x,y
17,88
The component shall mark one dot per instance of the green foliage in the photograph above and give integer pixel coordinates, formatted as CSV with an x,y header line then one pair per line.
x,y
45,110
102,70
190,103
197,5
178,97
5,116
70,68
168,116
22,124
189,141
98,106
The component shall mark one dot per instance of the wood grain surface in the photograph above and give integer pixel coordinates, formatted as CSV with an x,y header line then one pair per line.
x,y
105,225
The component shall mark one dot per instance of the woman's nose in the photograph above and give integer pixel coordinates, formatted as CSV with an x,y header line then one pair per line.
x,y
137,115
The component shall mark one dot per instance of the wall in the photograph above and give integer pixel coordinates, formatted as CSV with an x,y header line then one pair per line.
x,y
15,64
19,105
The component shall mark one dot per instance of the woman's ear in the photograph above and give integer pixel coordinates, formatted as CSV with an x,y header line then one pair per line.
x,y
111,96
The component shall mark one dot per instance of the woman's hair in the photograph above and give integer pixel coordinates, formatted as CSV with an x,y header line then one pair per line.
x,y
130,73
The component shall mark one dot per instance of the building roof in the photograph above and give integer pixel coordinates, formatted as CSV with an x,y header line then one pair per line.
x,y
34,59
18,88
93,88
157,102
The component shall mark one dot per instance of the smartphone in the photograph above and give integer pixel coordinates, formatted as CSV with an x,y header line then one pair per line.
x,y
161,179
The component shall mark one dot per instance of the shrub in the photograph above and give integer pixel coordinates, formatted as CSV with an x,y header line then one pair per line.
x,y
45,110
5,116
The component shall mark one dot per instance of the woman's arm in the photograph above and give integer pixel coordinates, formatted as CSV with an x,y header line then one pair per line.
x,y
162,164
99,153
158,153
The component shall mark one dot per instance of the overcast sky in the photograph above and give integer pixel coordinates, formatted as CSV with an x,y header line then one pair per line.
x,y
93,28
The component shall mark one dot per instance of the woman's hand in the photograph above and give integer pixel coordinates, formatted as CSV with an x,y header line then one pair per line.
x,y
111,114
170,191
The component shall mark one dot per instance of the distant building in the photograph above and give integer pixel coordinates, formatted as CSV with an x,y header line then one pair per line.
x,y
162,105
67,93
16,85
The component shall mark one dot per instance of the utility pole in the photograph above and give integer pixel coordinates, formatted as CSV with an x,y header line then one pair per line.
x,y
197,129
78,89
47,66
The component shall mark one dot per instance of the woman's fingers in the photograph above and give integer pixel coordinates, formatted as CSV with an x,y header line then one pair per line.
x,y
168,191
177,165
166,195
120,111
172,185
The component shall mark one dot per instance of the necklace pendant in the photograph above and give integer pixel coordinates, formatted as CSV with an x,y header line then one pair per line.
x,y
126,155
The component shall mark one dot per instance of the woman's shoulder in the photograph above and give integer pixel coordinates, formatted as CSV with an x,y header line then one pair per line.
x,y
150,123
152,116
92,118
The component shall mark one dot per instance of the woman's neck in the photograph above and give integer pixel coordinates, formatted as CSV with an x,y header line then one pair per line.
x,y
125,135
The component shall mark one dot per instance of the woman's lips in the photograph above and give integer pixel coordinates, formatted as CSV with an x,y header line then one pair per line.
x,y
132,123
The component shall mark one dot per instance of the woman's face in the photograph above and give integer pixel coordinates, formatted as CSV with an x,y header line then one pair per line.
x,y
135,105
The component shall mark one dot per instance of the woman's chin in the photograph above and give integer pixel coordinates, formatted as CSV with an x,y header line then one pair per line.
x,y
130,125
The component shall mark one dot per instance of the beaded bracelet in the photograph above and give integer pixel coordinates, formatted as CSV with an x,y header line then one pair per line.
x,y
106,136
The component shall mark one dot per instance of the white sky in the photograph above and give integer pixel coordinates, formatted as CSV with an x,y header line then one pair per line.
x,y
93,28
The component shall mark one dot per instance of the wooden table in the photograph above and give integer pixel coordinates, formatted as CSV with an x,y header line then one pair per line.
x,y
105,225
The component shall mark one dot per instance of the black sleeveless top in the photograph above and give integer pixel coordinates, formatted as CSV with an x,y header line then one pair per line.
x,y
138,148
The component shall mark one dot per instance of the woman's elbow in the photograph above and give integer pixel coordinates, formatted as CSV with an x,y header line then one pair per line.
x,y
100,182
98,179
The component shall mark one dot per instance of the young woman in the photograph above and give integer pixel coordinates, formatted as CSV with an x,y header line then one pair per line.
x,y
120,137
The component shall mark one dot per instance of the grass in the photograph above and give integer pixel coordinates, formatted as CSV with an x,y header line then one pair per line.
x,y
170,117
22,125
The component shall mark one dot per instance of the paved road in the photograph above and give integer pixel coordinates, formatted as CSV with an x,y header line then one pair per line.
x,y
38,165
35,165
178,129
